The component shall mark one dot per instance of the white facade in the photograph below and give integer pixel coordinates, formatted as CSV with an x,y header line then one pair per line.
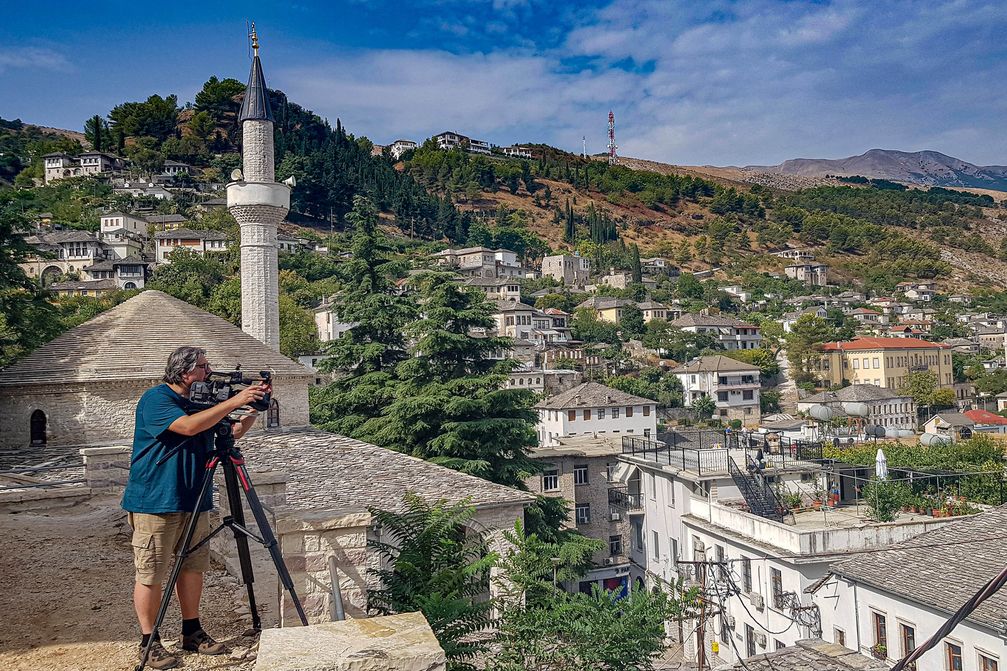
x,y
633,420
732,385
132,223
328,324
200,243
400,147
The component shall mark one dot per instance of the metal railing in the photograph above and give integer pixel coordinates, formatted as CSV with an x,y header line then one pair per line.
x,y
621,498
761,498
701,461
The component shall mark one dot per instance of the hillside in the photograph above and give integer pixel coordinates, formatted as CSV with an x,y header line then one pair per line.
x,y
929,168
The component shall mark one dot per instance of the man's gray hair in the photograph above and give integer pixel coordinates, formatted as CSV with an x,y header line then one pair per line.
x,y
181,361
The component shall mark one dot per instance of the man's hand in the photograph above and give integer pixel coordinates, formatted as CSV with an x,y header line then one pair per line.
x,y
249,395
190,425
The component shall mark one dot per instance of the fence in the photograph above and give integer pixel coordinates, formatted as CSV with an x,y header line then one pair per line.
x,y
702,461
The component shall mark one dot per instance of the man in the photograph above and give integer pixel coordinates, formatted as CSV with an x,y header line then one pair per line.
x,y
160,496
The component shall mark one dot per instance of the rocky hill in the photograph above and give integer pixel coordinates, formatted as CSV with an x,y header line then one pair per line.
x,y
930,168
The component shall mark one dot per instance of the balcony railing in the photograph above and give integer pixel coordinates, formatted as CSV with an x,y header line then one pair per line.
x,y
621,498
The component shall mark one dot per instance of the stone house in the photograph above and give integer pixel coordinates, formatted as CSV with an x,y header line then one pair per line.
x,y
62,253
733,385
572,271
730,332
133,223
200,242
580,471
127,273
82,387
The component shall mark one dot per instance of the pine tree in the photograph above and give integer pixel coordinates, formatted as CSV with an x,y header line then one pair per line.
x,y
368,353
636,266
452,405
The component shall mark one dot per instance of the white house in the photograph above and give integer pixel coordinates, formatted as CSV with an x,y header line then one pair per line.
x,y
399,147
734,386
516,152
790,318
888,603
594,409
199,242
128,273
131,222
497,288
481,262
731,333
122,242
328,324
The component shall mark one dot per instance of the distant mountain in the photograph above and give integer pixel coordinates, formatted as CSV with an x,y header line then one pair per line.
x,y
921,167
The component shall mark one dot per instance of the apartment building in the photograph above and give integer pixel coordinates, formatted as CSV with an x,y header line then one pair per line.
x,y
733,385
400,147
580,470
883,362
730,332
595,410
497,288
515,151
481,262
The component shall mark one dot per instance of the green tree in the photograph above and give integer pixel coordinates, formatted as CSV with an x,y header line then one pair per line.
x,y
631,323
298,333
452,405
769,367
156,117
921,386
635,265
96,132
704,407
805,335
588,327
674,343
218,97
190,277
438,567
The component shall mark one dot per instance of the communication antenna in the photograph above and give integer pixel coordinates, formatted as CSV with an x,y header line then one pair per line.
x,y
612,146
583,139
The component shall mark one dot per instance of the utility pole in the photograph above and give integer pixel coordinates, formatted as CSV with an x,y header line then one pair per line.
x,y
701,629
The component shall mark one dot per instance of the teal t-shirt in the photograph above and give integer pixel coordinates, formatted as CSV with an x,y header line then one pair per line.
x,y
172,486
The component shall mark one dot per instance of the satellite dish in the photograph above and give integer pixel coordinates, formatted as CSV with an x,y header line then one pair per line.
x,y
236,175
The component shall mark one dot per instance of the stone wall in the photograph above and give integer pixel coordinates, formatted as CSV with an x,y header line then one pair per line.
x,y
100,412
257,154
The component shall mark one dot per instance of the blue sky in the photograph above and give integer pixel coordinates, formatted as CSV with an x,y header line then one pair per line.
x,y
703,82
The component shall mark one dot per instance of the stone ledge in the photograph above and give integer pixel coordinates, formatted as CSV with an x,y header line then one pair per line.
x,y
321,520
401,642
46,495
101,451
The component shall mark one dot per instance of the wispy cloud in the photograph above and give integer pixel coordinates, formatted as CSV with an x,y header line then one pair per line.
x,y
32,58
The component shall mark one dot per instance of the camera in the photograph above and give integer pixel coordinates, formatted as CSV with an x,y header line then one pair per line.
x,y
222,385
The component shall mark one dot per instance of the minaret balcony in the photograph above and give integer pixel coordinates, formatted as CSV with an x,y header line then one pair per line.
x,y
258,193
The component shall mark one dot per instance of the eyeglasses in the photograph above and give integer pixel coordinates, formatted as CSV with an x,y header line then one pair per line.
x,y
204,366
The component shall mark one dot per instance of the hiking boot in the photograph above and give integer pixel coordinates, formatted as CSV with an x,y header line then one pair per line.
x,y
202,643
159,658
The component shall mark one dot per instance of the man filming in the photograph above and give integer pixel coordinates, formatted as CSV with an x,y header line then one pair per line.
x,y
160,496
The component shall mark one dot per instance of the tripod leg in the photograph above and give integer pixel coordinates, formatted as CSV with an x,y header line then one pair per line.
x,y
267,534
241,540
183,552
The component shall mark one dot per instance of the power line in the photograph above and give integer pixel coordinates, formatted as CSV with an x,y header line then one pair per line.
x,y
737,593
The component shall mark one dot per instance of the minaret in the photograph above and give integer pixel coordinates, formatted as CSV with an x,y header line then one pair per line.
x,y
259,204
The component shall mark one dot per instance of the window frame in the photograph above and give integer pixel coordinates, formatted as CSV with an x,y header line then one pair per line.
x,y
584,518
581,472
551,473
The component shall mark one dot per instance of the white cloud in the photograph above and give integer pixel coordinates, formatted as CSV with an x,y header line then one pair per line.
x,y
32,58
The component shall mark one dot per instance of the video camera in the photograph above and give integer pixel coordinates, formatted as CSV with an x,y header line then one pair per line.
x,y
222,385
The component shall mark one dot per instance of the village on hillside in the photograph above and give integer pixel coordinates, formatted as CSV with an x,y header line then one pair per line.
x,y
747,445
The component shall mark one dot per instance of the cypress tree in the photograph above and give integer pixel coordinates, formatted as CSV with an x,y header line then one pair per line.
x,y
636,267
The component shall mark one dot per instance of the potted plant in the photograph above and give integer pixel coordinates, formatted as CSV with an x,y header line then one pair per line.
x,y
880,651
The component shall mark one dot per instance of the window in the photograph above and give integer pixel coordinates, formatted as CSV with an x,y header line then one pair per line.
x,y
746,574
776,587
587,413
718,570
615,413
609,471
779,644
748,395
638,535
953,656
856,364
877,362
749,640
673,544
987,663
615,545
571,415
583,513
880,623
601,413
580,474
657,544
907,636
669,493
629,411
722,396
646,411
550,481
840,636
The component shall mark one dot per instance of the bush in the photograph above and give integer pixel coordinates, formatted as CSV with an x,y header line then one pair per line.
x,y
884,498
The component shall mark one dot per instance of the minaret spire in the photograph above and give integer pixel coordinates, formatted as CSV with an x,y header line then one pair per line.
x,y
258,204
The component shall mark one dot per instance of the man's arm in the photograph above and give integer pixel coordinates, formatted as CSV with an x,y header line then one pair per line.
x,y
246,423
190,425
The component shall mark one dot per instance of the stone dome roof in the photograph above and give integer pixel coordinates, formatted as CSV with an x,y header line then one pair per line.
x,y
132,341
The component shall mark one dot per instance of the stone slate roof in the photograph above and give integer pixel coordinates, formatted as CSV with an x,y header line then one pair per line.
x,y
165,218
953,419
716,364
132,341
855,393
591,395
710,320
189,234
84,285
325,470
605,303
941,568
812,654
255,106
58,237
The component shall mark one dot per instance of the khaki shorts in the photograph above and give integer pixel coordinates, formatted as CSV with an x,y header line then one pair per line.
x,y
156,539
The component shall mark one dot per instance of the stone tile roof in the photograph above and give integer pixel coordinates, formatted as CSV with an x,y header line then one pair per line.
x,y
854,392
605,303
165,218
591,395
710,320
58,237
84,285
716,364
153,324
811,654
941,568
327,470
190,234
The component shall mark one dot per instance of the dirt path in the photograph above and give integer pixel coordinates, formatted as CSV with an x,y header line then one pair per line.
x,y
66,581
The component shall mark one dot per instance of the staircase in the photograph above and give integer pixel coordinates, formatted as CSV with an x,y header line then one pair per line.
x,y
759,496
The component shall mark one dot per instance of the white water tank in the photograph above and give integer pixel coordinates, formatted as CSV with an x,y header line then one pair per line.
x,y
854,409
821,412
933,439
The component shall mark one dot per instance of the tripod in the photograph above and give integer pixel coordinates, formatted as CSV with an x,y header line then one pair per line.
x,y
236,480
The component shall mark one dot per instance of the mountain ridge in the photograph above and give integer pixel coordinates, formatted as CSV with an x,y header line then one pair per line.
x,y
927,167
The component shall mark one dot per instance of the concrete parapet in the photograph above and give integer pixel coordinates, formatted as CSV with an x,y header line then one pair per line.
x,y
107,468
401,642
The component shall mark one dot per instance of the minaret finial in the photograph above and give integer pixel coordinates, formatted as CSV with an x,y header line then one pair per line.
x,y
255,41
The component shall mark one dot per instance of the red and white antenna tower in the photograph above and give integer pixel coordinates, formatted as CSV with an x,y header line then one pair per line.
x,y
612,146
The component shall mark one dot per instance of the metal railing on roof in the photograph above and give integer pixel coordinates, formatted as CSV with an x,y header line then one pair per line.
x,y
701,461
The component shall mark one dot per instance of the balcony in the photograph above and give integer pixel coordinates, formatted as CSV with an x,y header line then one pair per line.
x,y
621,498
